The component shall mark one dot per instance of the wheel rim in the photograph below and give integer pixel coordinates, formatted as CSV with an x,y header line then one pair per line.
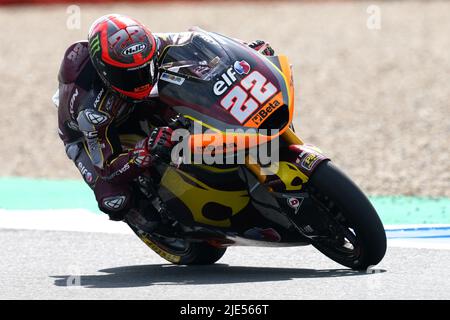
x,y
339,239
173,246
176,246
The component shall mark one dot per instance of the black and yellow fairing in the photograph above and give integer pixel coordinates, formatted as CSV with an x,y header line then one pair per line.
x,y
218,197
214,195
204,194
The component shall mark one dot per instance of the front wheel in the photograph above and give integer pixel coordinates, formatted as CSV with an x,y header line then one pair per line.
x,y
355,236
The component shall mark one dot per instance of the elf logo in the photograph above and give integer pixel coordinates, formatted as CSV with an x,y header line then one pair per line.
x,y
85,172
241,67
229,77
133,49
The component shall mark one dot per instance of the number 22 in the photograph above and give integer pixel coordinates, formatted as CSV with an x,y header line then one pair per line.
x,y
241,106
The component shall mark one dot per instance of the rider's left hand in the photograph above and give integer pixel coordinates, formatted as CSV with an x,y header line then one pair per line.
x,y
262,47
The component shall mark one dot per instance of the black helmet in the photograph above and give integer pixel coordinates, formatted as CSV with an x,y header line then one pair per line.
x,y
124,54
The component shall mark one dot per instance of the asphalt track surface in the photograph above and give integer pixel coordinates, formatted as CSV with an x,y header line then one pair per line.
x,y
82,265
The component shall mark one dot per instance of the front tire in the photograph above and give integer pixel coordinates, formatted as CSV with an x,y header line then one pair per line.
x,y
360,239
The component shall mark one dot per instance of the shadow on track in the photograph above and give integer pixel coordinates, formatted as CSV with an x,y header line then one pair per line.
x,y
168,274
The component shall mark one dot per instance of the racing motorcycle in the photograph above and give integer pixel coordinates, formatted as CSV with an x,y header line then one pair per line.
x,y
217,83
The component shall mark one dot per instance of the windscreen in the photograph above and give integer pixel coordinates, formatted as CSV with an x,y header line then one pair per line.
x,y
202,58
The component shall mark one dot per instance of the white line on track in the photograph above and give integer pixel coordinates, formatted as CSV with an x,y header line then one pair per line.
x,y
60,220
83,220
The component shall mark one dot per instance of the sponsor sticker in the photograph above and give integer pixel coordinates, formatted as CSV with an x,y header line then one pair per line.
x,y
295,203
99,96
109,103
134,49
241,67
309,161
76,52
89,178
265,111
91,135
72,101
94,45
85,172
95,118
172,78
166,255
229,77
122,170
114,203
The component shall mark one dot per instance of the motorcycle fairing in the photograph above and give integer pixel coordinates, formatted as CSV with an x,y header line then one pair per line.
x,y
195,94
218,197
211,205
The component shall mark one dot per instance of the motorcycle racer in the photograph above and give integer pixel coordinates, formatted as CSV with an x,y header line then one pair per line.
x,y
109,117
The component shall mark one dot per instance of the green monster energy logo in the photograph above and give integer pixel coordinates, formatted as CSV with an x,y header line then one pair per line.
x,y
94,45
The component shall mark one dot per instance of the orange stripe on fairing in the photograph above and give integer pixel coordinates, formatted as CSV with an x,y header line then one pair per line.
x,y
216,141
286,69
255,121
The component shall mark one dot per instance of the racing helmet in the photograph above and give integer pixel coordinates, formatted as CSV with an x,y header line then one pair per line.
x,y
124,54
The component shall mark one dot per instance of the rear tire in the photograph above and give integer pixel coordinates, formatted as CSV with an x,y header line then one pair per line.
x,y
202,254
361,222
182,252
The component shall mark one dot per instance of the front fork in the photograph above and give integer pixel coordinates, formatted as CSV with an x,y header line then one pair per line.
x,y
297,162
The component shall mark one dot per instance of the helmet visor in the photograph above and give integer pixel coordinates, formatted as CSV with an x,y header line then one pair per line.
x,y
132,80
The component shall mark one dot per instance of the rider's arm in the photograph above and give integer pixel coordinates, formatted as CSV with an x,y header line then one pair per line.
x,y
104,148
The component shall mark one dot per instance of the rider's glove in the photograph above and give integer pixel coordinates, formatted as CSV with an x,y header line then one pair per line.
x,y
140,154
179,122
157,145
160,143
262,47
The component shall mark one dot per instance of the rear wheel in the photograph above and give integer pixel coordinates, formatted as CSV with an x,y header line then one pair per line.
x,y
179,251
354,235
